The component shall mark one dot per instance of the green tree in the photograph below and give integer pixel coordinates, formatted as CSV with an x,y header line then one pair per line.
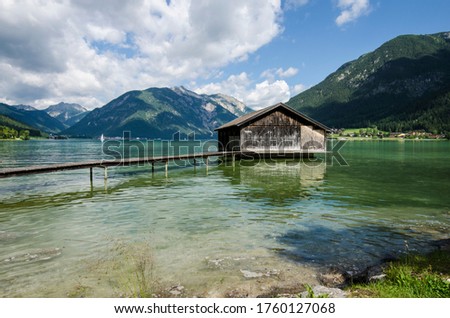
x,y
25,134
8,133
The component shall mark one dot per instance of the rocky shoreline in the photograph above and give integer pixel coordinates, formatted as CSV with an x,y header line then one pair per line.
x,y
336,279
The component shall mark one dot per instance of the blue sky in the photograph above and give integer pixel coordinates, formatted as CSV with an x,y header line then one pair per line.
x,y
312,42
260,52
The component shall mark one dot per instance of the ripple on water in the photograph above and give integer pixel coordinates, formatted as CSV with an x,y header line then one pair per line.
x,y
229,232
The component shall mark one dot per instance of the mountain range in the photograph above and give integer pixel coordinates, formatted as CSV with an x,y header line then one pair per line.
x,y
403,85
159,113
31,117
53,119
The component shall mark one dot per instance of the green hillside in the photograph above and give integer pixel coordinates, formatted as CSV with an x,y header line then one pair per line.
x,y
37,119
10,128
403,85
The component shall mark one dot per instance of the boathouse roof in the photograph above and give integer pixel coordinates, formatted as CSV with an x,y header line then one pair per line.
x,y
243,120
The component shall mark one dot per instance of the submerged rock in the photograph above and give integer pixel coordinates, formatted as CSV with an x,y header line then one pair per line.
x,y
38,255
6,236
250,274
337,277
176,290
228,262
333,278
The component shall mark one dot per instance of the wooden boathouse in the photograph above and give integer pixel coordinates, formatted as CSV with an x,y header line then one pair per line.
x,y
277,129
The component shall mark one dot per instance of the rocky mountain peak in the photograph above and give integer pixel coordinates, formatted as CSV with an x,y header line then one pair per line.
x,y
159,113
67,113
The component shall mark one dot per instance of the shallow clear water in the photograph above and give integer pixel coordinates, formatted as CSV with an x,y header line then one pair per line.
x,y
213,230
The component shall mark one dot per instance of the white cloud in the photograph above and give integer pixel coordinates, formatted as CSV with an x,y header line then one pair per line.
x,y
108,34
297,89
272,73
92,51
266,94
351,10
254,95
293,4
291,71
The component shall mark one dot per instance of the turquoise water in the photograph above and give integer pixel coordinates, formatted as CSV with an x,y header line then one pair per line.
x,y
214,230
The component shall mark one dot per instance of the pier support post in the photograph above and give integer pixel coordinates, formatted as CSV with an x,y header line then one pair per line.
x,y
167,168
106,172
206,161
233,160
153,168
195,165
91,176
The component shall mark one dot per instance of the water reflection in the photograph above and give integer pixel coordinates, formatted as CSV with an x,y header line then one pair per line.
x,y
277,182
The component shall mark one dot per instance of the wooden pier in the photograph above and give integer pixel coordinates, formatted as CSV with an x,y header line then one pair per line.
x,y
21,171
104,164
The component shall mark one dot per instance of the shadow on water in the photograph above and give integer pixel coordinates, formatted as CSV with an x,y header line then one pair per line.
x,y
351,248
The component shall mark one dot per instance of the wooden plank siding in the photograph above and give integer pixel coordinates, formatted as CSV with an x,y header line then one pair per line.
x,y
229,139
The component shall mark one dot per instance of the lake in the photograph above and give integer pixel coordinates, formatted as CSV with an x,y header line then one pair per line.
x,y
216,231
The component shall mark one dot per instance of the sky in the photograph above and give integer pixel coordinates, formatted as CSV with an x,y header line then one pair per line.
x,y
258,51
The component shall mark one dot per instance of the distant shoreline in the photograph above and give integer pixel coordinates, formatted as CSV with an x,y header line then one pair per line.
x,y
384,139
331,138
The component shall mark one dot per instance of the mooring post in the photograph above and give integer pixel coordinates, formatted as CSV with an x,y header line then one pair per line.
x,y
153,167
233,160
167,168
207,164
91,176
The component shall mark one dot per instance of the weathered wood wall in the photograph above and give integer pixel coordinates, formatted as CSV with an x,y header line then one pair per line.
x,y
312,139
229,139
280,132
